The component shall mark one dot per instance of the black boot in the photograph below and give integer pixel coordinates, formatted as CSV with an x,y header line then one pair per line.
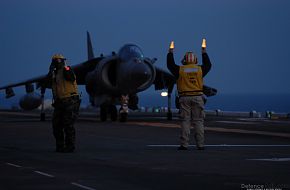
x,y
59,149
182,148
69,149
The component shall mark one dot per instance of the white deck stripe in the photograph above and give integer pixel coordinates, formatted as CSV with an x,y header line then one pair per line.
x,y
237,122
215,129
82,186
44,174
272,159
226,145
17,166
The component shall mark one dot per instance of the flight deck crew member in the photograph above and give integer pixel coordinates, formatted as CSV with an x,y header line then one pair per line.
x,y
190,90
66,103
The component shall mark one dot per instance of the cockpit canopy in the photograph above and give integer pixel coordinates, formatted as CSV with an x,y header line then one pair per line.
x,y
130,51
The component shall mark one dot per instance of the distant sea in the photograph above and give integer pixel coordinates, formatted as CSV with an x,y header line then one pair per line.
x,y
279,103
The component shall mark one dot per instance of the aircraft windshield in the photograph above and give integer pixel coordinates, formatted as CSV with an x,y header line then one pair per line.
x,y
129,51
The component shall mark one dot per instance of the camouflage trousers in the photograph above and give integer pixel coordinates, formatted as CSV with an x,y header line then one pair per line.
x,y
64,116
192,112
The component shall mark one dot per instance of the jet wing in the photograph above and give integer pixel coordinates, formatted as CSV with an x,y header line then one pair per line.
x,y
164,80
40,79
80,70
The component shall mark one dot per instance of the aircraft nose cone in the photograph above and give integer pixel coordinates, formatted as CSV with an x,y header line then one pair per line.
x,y
141,73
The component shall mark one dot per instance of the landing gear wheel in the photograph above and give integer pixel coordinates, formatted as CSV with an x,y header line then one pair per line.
x,y
114,113
123,117
169,116
42,116
103,113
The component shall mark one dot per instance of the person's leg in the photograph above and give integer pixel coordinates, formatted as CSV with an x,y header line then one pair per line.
x,y
185,111
70,116
57,128
198,116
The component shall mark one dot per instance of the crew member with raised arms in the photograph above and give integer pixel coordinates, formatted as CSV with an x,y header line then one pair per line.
x,y
190,90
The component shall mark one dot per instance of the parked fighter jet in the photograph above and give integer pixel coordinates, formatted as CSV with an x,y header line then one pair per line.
x,y
109,81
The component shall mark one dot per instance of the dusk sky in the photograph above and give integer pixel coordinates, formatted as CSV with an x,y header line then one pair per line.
x,y
248,41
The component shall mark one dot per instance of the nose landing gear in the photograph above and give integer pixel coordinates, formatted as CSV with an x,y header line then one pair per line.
x,y
124,108
112,110
108,109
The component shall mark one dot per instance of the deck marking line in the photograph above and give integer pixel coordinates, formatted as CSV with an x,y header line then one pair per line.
x,y
82,186
10,164
271,159
225,145
44,174
215,129
237,122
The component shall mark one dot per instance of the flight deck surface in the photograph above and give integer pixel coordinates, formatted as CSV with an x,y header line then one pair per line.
x,y
241,153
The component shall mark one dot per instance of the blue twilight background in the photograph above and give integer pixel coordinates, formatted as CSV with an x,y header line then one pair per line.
x,y
248,42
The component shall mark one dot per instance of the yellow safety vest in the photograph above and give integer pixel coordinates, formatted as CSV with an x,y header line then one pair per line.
x,y
62,88
190,82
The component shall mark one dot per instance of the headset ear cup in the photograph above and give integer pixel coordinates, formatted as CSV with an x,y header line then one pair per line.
x,y
183,62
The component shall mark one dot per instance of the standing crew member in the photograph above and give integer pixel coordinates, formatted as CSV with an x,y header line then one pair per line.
x,y
190,90
66,103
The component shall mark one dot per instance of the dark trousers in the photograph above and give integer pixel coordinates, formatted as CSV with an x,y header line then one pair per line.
x,y
64,116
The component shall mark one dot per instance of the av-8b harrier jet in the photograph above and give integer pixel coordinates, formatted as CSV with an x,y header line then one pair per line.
x,y
109,80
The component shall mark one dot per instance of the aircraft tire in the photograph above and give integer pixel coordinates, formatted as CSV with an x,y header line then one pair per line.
x,y
169,116
103,113
123,117
42,116
114,113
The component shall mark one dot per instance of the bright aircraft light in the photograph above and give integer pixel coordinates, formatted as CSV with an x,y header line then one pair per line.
x,y
164,94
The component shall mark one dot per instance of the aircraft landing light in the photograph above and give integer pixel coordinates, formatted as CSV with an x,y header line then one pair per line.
x,y
164,94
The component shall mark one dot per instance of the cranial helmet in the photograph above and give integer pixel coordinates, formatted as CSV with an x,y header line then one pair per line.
x,y
189,58
57,61
58,56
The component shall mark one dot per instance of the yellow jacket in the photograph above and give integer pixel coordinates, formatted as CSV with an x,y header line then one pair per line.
x,y
62,88
190,82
